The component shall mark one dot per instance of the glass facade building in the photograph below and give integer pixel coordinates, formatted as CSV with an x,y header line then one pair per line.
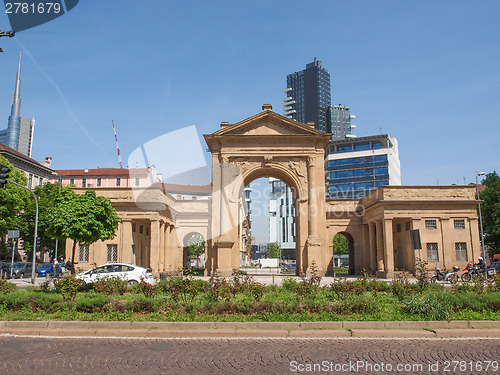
x,y
308,95
354,167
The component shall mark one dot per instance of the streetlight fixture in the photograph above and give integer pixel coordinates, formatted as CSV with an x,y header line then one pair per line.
x,y
480,216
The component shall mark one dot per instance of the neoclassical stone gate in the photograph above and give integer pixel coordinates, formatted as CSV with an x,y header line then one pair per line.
x,y
267,145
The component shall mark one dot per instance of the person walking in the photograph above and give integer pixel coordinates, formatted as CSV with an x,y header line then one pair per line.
x,y
70,267
55,265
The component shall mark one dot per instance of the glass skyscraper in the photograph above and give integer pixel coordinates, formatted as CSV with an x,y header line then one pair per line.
x,y
308,95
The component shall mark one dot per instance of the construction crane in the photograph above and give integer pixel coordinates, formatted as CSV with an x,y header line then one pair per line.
x,y
117,147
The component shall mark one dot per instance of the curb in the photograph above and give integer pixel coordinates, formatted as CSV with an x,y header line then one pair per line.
x,y
347,329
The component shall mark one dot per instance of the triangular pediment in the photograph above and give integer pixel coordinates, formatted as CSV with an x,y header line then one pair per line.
x,y
267,123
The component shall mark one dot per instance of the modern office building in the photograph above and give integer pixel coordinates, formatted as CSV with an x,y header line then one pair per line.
x,y
19,133
354,167
338,121
282,218
308,95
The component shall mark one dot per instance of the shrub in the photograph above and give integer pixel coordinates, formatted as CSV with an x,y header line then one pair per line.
x,y
90,304
145,288
140,304
110,285
430,306
7,287
68,286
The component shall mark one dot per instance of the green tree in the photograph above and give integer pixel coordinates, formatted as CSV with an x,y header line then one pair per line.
x,y
490,209
13,200
84,218
196,245
274,250
46,195
340,244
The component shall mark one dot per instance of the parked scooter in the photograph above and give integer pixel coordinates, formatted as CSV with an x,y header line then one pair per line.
x,y
450,276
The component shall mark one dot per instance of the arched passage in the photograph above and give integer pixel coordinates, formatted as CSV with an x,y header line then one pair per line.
x,y
193,251
267,145
343,252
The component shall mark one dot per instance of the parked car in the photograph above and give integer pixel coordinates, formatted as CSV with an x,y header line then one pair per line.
x,y
129,272
4,270
47,269
22,269
289,268
495,264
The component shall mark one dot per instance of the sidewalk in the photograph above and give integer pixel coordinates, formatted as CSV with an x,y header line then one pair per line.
x,y
346,329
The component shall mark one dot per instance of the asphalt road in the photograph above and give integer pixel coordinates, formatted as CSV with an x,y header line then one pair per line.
x,y
83,355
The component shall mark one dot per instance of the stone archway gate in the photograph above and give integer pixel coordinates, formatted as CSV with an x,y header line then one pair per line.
x,y
267,145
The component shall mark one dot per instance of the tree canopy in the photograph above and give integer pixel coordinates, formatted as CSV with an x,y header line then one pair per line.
x,y
490,209
84,218
340,244
274,250
196,245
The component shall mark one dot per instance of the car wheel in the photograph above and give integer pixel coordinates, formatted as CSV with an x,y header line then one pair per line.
x,y
21,275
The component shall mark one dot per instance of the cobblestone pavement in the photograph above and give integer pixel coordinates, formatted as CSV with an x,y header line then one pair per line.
x,y
83,355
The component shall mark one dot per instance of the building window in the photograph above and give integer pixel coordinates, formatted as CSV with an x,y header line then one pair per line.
x,y
132,259
432,252
141,229
461,251
84,182
430,224
118,181
398,228
179,197
83,253
147,231
99,182
112,253
40,181
71,181
459,224
137,181
133,227
193,197
408,226
30,181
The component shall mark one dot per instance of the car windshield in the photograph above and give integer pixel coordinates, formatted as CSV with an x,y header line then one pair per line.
x,y
18,265
46,265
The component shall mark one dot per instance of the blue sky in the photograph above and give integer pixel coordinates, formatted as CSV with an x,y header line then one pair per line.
x,y
426,72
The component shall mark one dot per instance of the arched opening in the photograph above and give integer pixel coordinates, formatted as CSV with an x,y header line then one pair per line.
x,y
343,253
194,251
272,225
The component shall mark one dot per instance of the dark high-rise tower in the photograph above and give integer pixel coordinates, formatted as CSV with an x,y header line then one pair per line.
x,y
308,95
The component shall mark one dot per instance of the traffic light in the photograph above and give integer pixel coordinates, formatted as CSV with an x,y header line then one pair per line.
x,y
4,175
10,244
38,242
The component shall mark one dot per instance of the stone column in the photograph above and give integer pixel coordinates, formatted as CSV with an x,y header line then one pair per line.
x,y
475,238
126,255
312,201
373,247
380,249
366,247
155,245
388,248
161,248
446,255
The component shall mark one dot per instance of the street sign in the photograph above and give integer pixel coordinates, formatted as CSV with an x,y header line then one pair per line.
x,y
13,234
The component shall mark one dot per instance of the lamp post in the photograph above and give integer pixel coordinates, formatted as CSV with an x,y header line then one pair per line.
x,y
480,216
59,179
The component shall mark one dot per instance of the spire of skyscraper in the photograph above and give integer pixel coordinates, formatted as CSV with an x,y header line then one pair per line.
x,y
19,132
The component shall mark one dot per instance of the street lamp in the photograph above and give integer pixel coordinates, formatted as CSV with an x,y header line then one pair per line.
x,y
480,216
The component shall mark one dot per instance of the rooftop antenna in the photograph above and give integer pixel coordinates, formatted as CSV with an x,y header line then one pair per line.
x,y
117,147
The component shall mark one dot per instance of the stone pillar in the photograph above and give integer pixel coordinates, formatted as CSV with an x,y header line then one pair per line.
x,y
388,248
446,255
314,243
366,247
161,248
475,238
155,245
373,247
125,254
380,249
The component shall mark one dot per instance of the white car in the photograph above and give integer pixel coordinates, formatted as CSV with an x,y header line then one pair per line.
x,y
129,272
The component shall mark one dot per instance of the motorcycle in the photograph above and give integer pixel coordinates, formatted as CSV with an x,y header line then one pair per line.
x,y
470,271
450,276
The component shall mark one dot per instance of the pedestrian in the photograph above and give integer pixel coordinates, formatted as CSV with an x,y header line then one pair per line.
x,y
55,265
70,267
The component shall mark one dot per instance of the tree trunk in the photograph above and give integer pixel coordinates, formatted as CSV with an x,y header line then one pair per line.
x,y
73,257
